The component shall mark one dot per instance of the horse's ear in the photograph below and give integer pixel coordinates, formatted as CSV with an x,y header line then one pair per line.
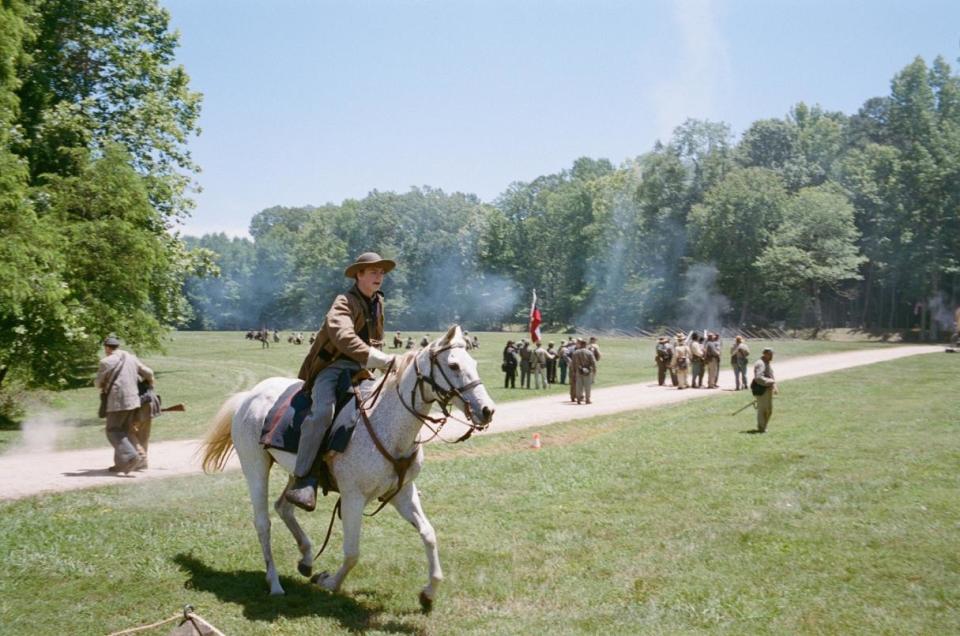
x,y
452,333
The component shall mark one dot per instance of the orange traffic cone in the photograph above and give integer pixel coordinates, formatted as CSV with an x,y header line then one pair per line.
x,y
535,444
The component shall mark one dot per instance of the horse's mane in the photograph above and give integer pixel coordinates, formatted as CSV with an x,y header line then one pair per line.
x,y
405,360
402,362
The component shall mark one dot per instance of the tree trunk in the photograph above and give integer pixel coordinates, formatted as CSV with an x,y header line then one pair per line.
x,y
934,295
866,296
893,307
881,296
746,300
817,308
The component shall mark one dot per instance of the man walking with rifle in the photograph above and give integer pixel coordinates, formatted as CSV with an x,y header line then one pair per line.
x,y
764,386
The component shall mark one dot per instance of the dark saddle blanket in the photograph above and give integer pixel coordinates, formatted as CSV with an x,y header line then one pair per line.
x,y
281,427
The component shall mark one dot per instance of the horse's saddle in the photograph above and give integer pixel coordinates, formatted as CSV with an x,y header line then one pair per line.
x,y
281,427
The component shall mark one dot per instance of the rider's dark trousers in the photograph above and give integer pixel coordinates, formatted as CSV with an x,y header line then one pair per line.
x,y
316,424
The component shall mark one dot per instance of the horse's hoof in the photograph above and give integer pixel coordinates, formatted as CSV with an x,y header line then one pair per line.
x,y
320,578
323,580
305,570
426,603
277,591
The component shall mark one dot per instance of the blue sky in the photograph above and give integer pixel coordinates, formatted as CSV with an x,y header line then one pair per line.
x,y
309,102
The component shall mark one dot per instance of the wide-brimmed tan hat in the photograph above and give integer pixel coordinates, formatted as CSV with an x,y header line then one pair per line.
x,y
369,259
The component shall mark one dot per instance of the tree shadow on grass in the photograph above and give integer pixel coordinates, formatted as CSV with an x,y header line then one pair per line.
x,y
248,589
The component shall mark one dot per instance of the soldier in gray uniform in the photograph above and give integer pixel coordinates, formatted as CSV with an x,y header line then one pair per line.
x,y
538,367
117,378
566,350
662,358
739,356
584,365
525,364
763,375
711,354
551,364
696,361
680,362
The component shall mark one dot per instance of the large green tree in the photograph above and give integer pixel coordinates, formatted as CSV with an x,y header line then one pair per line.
x,y
94,121
813,250
733,226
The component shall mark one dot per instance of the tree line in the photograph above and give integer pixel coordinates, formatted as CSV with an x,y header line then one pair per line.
x,y
817,219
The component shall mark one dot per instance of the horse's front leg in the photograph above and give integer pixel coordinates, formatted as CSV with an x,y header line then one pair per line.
x,y
351,509
407,503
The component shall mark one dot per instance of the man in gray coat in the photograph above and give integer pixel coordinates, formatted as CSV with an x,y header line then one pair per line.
x,y
585,369
117,377
525,352
538,366
763,375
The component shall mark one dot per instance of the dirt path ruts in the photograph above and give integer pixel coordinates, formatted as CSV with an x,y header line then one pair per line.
x,y
28,474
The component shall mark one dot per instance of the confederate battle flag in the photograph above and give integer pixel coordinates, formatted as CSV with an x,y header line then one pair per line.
x,y
535,319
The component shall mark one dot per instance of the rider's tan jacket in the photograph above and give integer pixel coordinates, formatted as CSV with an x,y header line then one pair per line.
x,y
339,336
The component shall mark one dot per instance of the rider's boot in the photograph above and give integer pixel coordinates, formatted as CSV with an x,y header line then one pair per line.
x,y
303,493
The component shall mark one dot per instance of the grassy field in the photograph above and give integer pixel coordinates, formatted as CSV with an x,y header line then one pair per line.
x,y
842,519
201,369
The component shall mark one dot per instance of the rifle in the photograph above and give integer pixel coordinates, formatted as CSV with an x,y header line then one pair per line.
x,y
175,407
742,408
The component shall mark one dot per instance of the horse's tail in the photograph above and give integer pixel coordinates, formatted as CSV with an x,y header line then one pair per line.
x,y
218,442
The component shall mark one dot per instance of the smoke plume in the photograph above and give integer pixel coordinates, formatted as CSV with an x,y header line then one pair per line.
x,y
702,306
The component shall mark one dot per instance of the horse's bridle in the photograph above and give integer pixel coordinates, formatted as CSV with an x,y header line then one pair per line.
x,y
443,396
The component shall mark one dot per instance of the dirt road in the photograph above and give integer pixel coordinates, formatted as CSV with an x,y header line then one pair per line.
x,y
28,474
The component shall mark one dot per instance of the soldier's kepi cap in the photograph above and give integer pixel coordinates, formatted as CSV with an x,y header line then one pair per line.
x,y
111,341
766,350
369,259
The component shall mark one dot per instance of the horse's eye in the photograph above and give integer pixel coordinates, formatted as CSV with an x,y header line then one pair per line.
x,y
454,366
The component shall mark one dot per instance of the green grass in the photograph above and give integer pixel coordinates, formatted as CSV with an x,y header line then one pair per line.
x,y
201,369
842,519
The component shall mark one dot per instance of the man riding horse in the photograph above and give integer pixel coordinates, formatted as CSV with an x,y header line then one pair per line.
x,y
350,339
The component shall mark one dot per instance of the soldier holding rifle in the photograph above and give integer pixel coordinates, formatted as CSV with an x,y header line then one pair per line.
x,y
763,377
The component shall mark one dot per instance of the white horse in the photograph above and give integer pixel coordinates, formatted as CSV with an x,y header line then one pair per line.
x,y
442,373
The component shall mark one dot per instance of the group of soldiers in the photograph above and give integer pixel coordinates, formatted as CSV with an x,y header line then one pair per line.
x,y
264,336
690,358
578,357
398,343
695,355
